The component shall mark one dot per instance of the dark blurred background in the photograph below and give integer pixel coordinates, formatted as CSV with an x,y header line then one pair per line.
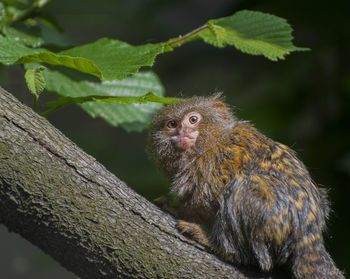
x,y
302,101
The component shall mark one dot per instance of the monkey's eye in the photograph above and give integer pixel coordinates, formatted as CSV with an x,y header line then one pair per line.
x,y
172,124
193,119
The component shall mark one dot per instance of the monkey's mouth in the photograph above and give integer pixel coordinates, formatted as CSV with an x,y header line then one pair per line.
x,y
184,141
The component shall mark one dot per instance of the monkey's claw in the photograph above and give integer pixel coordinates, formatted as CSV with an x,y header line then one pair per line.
x,y
194,231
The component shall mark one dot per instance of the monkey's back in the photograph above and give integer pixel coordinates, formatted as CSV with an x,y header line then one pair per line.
x,y
262,201
270,207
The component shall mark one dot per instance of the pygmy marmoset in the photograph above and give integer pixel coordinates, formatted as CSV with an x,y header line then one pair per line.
x,y
254,194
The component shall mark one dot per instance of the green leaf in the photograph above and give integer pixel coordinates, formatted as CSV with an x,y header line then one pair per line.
x,y
11,51
25,35
106,59
117,59
78,63
132,117
252,32
35,80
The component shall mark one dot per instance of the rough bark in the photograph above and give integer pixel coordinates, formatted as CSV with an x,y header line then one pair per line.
x,y
65,202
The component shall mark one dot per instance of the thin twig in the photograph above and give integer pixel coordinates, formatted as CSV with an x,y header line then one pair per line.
x,y
179,40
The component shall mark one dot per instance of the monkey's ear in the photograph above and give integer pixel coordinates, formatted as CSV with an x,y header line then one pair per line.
x,y
217,99
220,105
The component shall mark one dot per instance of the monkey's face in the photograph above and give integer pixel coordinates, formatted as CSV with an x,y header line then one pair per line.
x,y
186,129
183,133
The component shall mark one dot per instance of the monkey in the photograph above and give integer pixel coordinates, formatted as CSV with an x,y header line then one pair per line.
x,y
254,196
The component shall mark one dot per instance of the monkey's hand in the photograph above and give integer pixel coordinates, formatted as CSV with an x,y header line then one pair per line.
x,y
194,231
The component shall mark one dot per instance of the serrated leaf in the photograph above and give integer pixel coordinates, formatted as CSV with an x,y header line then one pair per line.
x,y
132,117
35,80
252,32
106,59
78,63
11,51
117,59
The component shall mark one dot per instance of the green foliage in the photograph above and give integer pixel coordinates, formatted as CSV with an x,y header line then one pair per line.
x,y
118,102
122,95
116,59
24,35
12,51
35,80
106,59
253,33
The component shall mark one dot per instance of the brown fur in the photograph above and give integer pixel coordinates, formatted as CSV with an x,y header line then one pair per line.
x,y
254,194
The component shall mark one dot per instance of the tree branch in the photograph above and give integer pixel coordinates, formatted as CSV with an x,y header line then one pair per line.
x,y
65,202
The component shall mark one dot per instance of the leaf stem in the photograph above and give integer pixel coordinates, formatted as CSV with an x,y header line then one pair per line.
x,y
149,97
181,39
35,102
49,111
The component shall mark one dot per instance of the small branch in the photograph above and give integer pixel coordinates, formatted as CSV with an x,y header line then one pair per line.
x,y
181,39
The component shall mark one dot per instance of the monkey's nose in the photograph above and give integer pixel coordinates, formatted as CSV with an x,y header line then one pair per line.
x,y
185,139
183,131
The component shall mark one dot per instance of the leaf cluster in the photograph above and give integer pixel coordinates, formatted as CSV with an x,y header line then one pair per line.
x,y
115,80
